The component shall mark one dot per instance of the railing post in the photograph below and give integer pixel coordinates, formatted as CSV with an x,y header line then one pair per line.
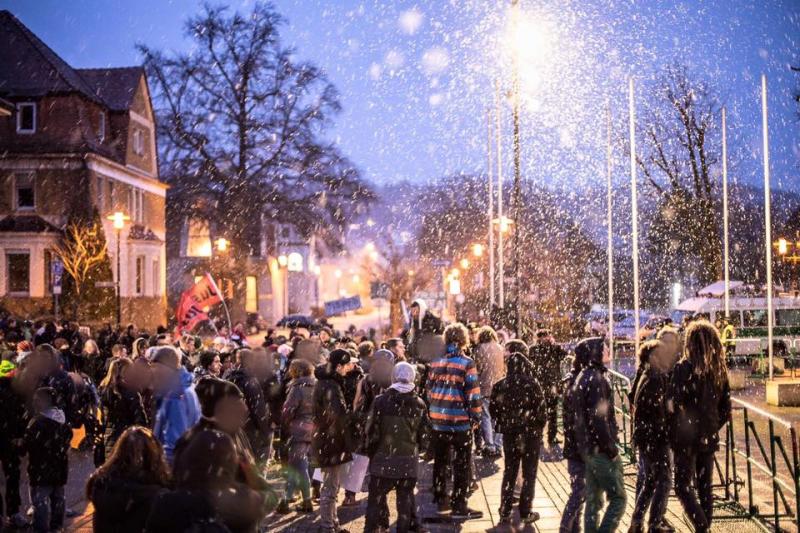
x,y
750,507
774,470
732,437
796,477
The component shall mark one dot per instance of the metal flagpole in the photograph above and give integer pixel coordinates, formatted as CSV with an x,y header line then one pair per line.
x,y
491,210
224,305
767,220
610,251
634,215
501,254
725,215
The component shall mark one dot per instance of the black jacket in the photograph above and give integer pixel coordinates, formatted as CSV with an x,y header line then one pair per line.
x,y
595,420
46,442
66,395
699,409
547,359
258,423
394,430
331,444
572,449
13,414
650,422
122,505
122,408
517,403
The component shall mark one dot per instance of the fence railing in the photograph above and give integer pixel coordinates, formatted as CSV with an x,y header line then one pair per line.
x,y
621,387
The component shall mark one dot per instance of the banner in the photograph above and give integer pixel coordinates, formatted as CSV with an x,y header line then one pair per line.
x,y
195,303
337,307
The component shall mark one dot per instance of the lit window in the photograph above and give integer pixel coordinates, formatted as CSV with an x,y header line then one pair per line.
x,y
136,204
139,275
198,242
18,270
24,189
295,262
101,127
251,295
26,118
156,277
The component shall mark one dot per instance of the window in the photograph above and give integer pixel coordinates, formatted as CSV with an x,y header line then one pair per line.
x,y
138,142
787,317
110,197
136,205
26,117
24,192
101,127
156,277
18,270
139,275
755,318
251,295
198,241
101,194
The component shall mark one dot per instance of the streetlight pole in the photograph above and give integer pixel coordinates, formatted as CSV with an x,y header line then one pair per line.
x,y
118,218
517,194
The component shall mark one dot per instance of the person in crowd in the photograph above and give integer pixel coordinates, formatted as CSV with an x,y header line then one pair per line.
x,y
397,347
547,357
58,379
576,469
15,390
490,362
249,378
177,406
596,429
393,434
454,399
124,488
117,351
121,403
95,361
128,337
331,446
699,406
651,437
517,408
376,382
187,349
140,347
422,323
297,419
366,350
208,364
46,441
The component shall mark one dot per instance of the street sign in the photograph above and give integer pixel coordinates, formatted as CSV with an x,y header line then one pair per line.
x,y
441,263
337,307
56,275
378,289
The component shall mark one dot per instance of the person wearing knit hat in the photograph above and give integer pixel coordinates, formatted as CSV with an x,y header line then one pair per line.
x,y
393,431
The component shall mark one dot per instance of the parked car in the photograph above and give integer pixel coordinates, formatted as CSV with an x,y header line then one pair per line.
x,y
296,321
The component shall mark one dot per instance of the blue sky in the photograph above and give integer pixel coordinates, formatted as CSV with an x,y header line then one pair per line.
x,y
416,77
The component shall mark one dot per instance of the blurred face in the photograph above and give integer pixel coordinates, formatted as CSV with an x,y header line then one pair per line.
x,y
216,366
343,370
40,402
414,311
230,414
163,377
324,337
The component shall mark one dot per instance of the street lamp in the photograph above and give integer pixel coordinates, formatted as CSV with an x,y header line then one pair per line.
x,y
464,263
118,218
477,249
283,262
222,244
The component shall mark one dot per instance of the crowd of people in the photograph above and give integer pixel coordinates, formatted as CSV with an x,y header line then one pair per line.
x,y
183,433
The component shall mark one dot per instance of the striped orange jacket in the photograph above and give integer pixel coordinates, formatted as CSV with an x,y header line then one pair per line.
x,y
454,394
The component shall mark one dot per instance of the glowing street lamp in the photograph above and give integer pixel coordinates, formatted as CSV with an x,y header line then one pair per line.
x,y
222,244
283,260
477,249
782,246
464,263
118,218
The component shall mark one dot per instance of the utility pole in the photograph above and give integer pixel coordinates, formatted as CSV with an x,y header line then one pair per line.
x,y
517,193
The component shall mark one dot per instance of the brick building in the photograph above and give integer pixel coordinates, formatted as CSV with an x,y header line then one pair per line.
x,y
73,139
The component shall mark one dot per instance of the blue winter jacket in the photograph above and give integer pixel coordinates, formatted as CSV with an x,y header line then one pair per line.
x,y
177,411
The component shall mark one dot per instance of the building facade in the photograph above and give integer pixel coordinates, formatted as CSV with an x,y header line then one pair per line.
x,y
75,140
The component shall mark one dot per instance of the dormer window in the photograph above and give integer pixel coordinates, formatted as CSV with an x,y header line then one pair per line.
x,y
101,127
24,192
26,118
138,142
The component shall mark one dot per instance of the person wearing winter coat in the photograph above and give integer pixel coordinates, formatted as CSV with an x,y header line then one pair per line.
x,y
490,361
46,442
177,407
249,377
124,488
394,430
297,421
571,515
331,445
651,437
455,407
547,357
517,408
699,405
57,379
121,404
423,324
14,392
596,429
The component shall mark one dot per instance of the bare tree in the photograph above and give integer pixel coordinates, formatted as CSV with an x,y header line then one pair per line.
x,y
83,252
677,158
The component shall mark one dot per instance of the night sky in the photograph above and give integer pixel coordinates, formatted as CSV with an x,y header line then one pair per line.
x,y
416,78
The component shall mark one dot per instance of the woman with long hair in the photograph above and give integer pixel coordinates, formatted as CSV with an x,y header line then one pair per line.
x,y
124,488
699,404
120,402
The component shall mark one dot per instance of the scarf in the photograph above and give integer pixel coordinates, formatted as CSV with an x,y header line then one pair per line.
x,y
402,388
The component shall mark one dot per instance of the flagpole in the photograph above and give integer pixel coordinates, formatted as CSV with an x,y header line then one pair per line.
x,y
725,215
610,250
500,265
491,211
224,305
767,219
634,214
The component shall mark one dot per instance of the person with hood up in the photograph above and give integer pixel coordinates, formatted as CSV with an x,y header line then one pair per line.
x,y
331,445
517,408
422,323
394,430
455,407
699,405
253,368
177,406
571,516
297,420
490,361
46,442
547,357
596,429
125,487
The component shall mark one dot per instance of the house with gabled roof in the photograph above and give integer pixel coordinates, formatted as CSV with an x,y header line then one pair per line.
x,y
76,139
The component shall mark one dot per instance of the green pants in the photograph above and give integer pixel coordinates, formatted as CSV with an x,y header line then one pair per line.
x,y
603,476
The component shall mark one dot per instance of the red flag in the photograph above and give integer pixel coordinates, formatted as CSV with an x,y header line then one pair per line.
x,y
195,302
